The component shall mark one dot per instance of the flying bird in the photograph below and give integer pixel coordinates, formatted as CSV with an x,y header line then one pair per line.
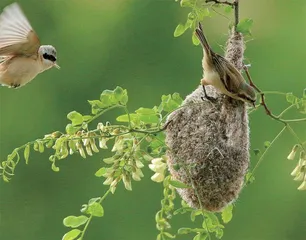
x,y
21,55
223,75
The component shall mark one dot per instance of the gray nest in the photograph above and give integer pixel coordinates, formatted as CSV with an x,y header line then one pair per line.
x,y
209,143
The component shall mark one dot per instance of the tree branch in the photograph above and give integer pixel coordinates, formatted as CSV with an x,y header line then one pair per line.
x,y
221,2
234,4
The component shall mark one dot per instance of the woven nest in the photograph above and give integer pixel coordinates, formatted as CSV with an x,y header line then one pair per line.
x,y
209,143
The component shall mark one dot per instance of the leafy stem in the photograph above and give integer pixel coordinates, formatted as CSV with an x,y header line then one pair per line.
x,y
91,215
264,153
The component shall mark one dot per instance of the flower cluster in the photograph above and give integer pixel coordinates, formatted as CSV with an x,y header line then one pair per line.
x,y
299,173
159,167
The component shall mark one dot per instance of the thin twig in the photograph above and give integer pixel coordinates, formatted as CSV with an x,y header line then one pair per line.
x,y
264,153
263,102
221,2
236,7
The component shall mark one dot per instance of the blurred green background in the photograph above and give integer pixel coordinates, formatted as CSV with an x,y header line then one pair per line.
x,y
130,43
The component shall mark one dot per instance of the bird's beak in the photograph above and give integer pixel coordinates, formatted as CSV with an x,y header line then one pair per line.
x,y
58,67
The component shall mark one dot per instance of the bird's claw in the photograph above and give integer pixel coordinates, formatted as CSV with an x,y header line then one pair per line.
x,y
15,85
211,99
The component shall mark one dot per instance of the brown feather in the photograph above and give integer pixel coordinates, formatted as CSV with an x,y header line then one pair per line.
x,y
28,48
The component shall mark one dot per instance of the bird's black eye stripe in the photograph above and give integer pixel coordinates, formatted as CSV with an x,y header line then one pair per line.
x,y
49,57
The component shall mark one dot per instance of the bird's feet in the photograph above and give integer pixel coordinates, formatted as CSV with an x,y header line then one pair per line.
x,y
15,85
211,99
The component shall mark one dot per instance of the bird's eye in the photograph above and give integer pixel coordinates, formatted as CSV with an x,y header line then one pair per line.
x,y
49,57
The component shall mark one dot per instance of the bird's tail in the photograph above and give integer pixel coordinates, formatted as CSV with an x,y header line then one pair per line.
x,y
200,35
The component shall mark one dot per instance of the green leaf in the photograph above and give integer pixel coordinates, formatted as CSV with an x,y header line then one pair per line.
x,y
93,200
41,147
109,160
84,208
70,129
227,214
101,172
244,26
145,111
27,153
178,184
202,13
71,235
249,178
75,117
58,143
171,102
121,95
212,222
54,167
228,9
168,235
124,118
124,99
200,236
108,98
290,98
179,30
49,143
149,119
184,231
195,213
195,40
188,3
147,115
35,146
96,106
118,92
179,211
87,118
267,144
256,151
75,221
95,209
11,156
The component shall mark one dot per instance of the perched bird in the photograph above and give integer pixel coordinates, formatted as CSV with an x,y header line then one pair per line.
x,y
21,55
221,74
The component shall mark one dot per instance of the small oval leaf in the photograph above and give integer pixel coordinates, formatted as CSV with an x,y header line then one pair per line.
x,y
71,235
101,172
179,30
75,221
178,184
27,153
95,209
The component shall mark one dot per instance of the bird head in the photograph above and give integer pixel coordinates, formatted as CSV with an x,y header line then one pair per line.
x,y
48,56
247,93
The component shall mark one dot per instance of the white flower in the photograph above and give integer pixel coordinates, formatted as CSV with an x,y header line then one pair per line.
x,y
158,177
296,171
299,177
159,167
302,186
291,155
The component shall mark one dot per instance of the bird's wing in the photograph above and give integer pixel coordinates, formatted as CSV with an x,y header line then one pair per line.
x,y
16,34
231,77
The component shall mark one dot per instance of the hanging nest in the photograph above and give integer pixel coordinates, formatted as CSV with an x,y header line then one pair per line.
x,y
209,142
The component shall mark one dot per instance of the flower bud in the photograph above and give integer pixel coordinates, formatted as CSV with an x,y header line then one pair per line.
x,y
127,182
296,171
102,143
108,181
88,150
158,177
299,177
291,155
302,186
